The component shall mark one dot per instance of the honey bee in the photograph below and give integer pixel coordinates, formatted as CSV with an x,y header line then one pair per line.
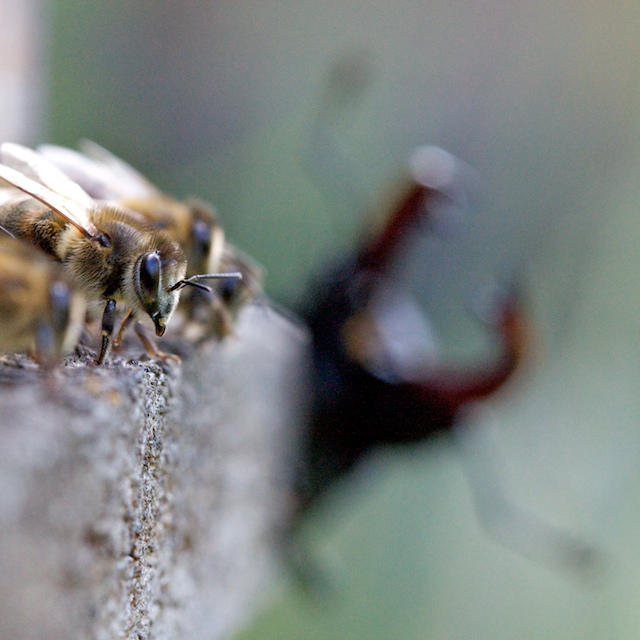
x,y
192,223
39,311
109,254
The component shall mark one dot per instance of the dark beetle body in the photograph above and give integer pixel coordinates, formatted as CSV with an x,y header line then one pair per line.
x,y
353,409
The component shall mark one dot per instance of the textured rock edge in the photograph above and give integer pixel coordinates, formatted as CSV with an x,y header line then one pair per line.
x,y
140,500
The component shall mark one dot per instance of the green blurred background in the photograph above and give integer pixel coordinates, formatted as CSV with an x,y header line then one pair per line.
x,y
221,100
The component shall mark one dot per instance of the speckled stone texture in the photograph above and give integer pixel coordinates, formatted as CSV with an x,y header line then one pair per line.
x,y
141,500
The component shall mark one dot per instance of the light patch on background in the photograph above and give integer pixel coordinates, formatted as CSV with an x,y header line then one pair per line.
x,y
22,70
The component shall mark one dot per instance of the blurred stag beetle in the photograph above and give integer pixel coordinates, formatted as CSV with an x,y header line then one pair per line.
x,y
372,383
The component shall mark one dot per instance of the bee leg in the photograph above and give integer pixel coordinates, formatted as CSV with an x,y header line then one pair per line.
x,y
151,347
126,321
45,344
108,322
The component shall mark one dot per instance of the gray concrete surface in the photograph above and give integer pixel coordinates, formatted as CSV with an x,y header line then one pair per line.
x,y
144,501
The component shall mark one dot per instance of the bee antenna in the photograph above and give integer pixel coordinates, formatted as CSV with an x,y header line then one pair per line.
x,y
194,281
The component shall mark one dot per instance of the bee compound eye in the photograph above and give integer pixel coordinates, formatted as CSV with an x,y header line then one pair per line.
x,y
230,289
103,240
201,236
150,273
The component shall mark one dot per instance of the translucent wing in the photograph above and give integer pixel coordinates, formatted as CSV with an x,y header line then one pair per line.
x,y
34,166
8,193
95,178
133,183
32,174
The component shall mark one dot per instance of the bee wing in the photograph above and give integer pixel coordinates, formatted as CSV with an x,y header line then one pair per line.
x,y
131,182
93,176
8,193
50,186
39,169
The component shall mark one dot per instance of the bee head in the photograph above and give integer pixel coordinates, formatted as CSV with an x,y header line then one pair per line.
x,y
155,275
